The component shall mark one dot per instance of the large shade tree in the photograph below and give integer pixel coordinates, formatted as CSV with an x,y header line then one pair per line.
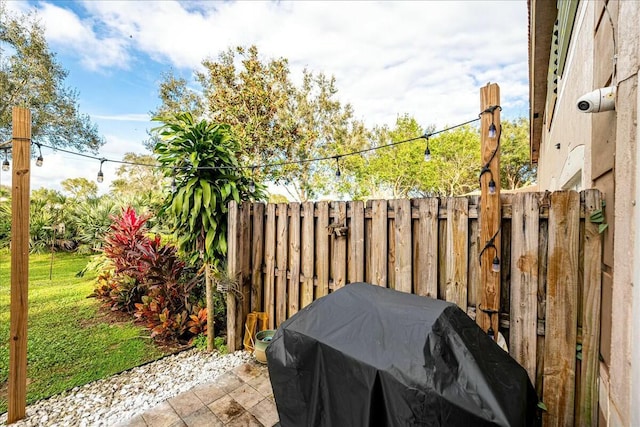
x,y
273,120
201,157
31,77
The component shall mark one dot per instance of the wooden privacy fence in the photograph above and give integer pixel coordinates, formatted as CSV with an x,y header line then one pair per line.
x,y
285,256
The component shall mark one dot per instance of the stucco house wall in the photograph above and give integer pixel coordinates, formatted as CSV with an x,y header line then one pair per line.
x,y
599,150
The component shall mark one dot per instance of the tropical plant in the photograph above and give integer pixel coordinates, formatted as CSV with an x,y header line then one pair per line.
x,y
48,219
147,278
91,220
202,159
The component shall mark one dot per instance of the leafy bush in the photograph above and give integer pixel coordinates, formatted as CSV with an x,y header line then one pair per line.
x,y
148,279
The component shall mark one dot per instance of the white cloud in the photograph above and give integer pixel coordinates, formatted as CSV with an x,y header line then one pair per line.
x,y
424,58
67,31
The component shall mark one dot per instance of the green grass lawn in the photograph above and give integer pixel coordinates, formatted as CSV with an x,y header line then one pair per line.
x,y
70,341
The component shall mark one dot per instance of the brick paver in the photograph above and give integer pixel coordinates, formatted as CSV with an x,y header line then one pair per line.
x,y
241,397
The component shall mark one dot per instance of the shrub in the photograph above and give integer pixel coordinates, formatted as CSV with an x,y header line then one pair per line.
x,y
148,279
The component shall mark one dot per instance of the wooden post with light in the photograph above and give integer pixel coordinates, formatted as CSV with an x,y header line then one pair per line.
x,y
21,153
488,312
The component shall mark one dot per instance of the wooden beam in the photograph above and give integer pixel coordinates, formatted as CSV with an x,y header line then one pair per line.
x,y
489,214
21,151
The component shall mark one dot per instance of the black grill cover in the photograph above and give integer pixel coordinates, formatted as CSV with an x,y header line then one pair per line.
x,y
370,356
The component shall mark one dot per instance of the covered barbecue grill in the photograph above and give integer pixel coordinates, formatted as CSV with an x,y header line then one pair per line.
x,y
369,356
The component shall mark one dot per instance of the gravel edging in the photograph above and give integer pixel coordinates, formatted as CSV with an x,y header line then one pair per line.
x,y
118,398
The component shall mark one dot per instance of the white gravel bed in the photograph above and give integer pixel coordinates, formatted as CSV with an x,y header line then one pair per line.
x,y
118,398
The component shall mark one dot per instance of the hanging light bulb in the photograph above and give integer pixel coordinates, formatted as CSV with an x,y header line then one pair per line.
x,y
427,153
5,164
492,186
174,185
40,159
492,131
100,174
337,168
495,265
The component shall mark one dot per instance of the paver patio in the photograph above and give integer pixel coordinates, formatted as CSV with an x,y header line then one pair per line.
x,y
241,397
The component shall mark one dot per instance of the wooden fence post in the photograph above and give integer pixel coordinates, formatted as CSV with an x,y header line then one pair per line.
x,y
21,150
232,270
490,217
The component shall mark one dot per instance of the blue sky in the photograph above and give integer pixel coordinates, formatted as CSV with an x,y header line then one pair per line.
x,y
424,58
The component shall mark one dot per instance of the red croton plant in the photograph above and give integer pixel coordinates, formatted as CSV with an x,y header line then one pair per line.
x,y
148,279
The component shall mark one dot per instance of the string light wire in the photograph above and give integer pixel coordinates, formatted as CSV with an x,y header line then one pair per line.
x,y
273,164
103,160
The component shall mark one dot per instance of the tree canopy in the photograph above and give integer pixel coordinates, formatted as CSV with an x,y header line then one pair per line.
x,y
272,119
400,171
31,77
134,178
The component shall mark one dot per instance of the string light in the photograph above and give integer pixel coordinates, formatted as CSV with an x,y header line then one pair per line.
x,y
427,152
267,165
495,264
492,186
492,130
40,159
492,134
337,167
174,185
5,164
100,174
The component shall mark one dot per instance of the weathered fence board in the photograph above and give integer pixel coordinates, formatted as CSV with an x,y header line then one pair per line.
x,y
339,238
356,243
322,250
294,260
245,267
457,255
282,228
257,254
561,314
289,255
270,264
308,240
379,243
592,282
427,248
403,270
524,282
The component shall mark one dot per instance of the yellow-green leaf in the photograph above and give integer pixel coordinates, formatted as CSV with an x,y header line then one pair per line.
x,y
210,235
206,192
